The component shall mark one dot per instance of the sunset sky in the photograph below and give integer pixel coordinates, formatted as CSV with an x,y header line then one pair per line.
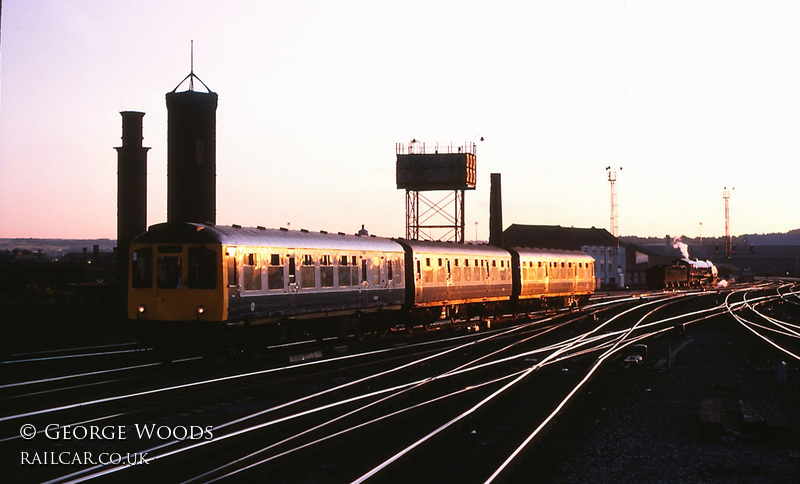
x,y
687,97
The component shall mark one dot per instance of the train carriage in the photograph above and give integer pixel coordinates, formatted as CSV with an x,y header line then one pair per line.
x,y
456,278
193,272
552,276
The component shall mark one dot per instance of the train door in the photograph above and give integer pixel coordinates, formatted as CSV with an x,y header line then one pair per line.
x,y
232,271
417,278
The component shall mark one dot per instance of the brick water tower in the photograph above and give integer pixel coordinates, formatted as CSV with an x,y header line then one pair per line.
x,y
191,154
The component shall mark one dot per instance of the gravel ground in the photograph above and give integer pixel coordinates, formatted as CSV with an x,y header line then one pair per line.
x,y
642,423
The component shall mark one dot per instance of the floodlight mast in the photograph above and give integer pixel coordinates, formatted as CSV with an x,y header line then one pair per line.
x,y
726,195
612,178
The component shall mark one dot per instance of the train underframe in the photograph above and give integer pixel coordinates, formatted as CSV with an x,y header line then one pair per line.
x,y
220,339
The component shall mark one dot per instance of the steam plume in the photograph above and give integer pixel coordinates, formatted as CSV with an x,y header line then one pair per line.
x,y
677,244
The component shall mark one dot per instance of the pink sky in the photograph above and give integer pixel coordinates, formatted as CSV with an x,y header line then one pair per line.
x,y
687,97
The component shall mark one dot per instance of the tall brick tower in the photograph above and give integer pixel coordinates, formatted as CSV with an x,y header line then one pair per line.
x,y
131,188
191,154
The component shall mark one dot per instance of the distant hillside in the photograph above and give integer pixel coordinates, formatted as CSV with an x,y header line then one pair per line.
x,y
57,245
791,237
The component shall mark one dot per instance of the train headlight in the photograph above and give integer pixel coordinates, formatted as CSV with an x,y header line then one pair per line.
x,y
200,310
140,309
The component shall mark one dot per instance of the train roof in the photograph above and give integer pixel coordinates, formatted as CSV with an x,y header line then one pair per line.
x,y
191,233
453,248
532,252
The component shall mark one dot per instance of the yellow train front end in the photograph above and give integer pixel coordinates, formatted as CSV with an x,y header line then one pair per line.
x,y
176,284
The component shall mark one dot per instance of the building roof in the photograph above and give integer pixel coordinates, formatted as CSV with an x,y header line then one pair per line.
x,y
556,237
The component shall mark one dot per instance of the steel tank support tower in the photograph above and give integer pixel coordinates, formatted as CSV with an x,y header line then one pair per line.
x,y
444,168
131,188
191,154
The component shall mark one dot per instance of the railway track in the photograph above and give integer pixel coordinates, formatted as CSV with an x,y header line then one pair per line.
x,y
465,406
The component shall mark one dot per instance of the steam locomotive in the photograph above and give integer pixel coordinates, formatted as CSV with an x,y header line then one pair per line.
x,y
683,273
189,283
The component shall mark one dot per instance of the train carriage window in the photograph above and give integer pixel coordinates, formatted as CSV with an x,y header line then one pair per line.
x,y
252,272
457,272
376,272
344,271
142,268
428,261
307,276
202,268
389,272
363,270
275,272
169,272
292,271
354,271
398,276
325,271
419,271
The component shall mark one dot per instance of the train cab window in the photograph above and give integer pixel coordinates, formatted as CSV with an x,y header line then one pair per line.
x,y
325,271
142,268
252,272
169,272
275,272
202,268
307,276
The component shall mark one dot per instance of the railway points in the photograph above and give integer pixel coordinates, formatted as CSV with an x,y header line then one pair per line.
x,y
367,406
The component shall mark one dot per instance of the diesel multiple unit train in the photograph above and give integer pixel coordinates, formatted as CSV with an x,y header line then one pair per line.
x,y
192,281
